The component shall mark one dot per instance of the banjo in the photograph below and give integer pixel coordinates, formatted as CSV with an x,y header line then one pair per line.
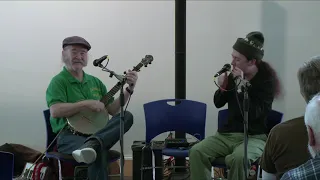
x,y
88,122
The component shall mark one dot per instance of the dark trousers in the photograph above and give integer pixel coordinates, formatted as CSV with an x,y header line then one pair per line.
x,y
107,137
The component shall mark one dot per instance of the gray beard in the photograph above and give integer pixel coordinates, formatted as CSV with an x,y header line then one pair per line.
x,y
312,151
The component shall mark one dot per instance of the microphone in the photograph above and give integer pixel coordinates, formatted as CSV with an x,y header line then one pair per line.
x,y
224,69
98,62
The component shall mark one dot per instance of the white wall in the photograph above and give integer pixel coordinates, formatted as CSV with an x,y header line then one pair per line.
x,y
32,32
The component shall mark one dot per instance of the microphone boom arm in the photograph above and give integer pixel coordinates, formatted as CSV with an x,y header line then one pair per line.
x,y
98,62
112,73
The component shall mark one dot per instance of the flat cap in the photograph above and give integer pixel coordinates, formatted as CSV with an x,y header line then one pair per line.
x,y
76,40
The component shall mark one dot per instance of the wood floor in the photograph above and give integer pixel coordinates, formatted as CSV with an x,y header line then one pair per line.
x,y
115,169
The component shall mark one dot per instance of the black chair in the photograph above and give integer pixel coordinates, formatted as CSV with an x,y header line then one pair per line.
x,y
52,153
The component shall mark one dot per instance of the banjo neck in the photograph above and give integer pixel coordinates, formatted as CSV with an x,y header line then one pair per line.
x,y
117,87
110,94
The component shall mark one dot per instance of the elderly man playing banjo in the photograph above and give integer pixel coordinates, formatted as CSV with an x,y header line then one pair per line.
x,y
73,91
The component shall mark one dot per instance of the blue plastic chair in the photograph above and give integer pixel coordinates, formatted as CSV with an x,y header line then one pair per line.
x,y
274,118
51,153
6,165
188,117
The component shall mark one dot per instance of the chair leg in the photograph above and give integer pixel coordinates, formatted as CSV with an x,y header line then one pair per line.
x,y
60,173
225,173
258,173
212,172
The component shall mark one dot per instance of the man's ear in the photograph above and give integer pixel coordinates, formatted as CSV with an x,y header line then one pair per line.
x,y
312,140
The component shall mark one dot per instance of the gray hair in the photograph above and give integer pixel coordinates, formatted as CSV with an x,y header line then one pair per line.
x,y
312,119
309,78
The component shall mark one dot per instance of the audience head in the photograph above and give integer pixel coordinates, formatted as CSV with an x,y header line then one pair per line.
x,y
75,53
309,78
312,121
247,55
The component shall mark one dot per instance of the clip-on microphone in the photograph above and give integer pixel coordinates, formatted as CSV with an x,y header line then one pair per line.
x,y
97,62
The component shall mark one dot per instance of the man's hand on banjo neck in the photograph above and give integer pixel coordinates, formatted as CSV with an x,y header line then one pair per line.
x,y
132,77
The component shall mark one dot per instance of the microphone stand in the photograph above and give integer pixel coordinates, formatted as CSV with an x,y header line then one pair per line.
x,y
122,80
245,88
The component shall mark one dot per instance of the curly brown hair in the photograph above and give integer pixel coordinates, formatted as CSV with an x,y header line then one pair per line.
x,y
268,70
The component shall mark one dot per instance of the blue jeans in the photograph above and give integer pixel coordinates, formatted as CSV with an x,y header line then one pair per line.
x,y
107,137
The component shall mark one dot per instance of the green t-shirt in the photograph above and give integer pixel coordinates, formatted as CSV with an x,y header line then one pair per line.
x,y
64,88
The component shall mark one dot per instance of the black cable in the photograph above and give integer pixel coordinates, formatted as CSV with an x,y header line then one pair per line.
x,y
107,63
235,87
238,102
214,80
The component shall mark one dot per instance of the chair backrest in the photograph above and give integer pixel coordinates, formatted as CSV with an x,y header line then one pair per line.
x,y
222,117
50,134
274,118
6,165
186,116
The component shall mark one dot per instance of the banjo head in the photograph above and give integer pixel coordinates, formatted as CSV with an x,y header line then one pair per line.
x,y
88,122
